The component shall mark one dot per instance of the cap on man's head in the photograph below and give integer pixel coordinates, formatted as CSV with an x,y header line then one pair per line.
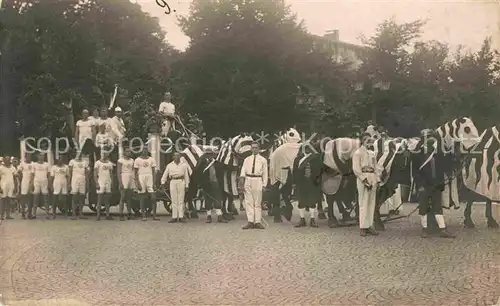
x,y
118,109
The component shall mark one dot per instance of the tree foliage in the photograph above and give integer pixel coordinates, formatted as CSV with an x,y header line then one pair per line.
x,y
247,65
60,50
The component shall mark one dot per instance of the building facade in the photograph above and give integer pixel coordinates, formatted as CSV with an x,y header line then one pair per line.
x,y
341,52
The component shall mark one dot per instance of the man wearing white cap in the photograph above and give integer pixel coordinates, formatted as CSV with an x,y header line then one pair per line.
x,y
118,127
167,111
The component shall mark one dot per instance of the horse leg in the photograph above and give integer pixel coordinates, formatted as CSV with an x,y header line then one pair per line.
x,y
321,212
377,220
193,212
230,207
332,221
468,223
288,209
492,223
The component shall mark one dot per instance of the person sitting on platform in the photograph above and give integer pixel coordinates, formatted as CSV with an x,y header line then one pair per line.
x,y
167,111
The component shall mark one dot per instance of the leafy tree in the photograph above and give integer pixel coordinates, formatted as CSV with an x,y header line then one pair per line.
x,y
247,65
60,50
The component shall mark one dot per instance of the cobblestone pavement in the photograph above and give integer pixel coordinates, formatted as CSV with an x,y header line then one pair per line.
x,y
64,262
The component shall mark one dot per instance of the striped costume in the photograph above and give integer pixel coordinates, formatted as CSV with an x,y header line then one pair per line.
x,y
230,156
481,175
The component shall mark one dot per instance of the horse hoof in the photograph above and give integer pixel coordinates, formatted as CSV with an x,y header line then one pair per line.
x,y
469,224
322,216
492,223
379,227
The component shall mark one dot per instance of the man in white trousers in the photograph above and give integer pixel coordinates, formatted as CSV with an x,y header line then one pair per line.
x,y
177,174
145,178
253,178
364,165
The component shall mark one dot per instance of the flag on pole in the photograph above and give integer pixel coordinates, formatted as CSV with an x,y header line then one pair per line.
x,y
112,102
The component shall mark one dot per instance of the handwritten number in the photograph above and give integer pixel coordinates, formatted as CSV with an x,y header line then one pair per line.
x,y
164,4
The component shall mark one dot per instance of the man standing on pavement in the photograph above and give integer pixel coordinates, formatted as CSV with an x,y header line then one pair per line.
x,y
79,181
253,178
8,184
103,176
126,181
177,174
364,165
60,176
41,184
145,177
25,170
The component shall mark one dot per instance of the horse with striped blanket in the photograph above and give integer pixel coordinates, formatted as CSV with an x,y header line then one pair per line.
x,y
452,144
481,176
227,162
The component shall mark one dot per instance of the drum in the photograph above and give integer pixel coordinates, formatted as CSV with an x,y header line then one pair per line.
x,y
330,183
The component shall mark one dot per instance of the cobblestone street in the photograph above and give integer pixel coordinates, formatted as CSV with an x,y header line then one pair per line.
x,y
156,263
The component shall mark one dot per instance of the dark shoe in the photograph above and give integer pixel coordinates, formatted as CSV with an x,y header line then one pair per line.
x,y
248,226
182,220
302,223
424,233
364,232
445,234
23,216
221,220
258,226
312,223
172,220
209,219
372,231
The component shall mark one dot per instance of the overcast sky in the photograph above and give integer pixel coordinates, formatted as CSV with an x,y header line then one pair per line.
x,y
456,22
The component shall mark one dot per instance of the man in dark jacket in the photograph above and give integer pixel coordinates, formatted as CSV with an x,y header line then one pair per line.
x,y
429,166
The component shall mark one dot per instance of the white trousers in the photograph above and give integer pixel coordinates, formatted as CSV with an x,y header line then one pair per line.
x,y
367,201
253,199
177,192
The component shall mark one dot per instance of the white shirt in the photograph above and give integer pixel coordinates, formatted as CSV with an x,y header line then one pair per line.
x,y
59,173
85,129
78,168
102,140
41,171
145,166
127,165
174,170
26,169
7,174
260,168
167,108
104,169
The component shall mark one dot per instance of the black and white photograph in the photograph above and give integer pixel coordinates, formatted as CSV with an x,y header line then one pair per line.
x,y
249,152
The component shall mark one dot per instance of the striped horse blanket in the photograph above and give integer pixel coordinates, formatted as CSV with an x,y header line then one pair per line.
x,y
385,152
481,172
231,155
191,156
